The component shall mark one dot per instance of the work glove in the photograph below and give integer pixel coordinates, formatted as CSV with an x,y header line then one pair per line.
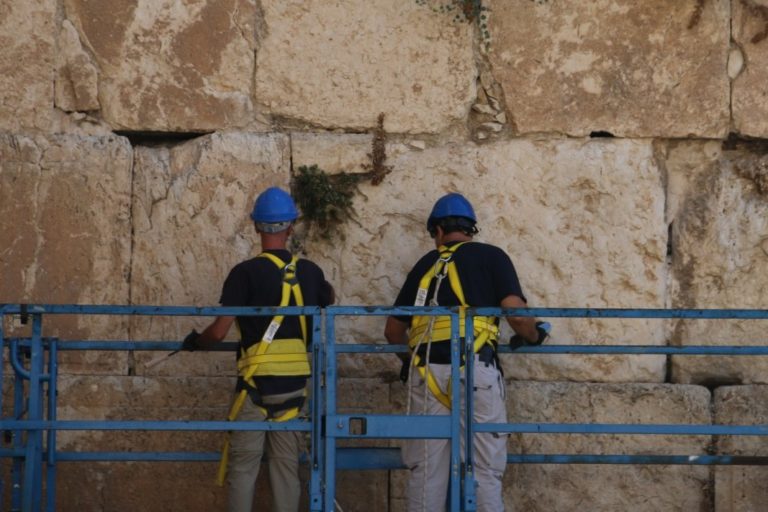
x,y
191,342
542,328
405,369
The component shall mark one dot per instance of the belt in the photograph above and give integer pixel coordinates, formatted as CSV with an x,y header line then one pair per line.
x,y
440,353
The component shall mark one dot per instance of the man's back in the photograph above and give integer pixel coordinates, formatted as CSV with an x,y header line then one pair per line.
x,y
486,274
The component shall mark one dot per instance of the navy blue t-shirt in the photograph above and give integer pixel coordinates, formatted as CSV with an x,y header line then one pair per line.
x,y
486,273
258,282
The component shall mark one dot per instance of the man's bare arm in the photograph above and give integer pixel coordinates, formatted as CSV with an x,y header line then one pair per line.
x,y
215,332
525,326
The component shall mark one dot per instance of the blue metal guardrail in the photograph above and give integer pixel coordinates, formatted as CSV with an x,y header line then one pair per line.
x,y
31,429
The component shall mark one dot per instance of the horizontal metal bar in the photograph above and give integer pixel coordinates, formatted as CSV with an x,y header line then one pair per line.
x,y
64,456
390,458
298,426
121,345
671,460
732,350
735,350
137,456
747,314
347,458
391,426
374,348
373,426
102,309
365,458
617,428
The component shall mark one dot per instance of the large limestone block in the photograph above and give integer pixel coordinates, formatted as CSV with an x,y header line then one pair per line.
x,y
145,486
121,398
583,220
27,47
741,488
351,60
66,234
719,254
607,487
652,68
191,226
151,486
158,486
749,62
170,66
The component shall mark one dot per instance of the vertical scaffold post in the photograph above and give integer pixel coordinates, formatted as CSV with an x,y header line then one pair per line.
x,y
468,349
50,470
17,436
33,452
316,415
329,471
456,351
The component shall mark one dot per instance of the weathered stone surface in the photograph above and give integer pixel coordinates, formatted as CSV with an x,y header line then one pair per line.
x,y
352,60
364,491
178,399
141,485
127,487
605,487
191,225
331,152
750,90
65,234
739,488
630,68
27,49
367,396
76,73
719,254
167,66
116,398
582,220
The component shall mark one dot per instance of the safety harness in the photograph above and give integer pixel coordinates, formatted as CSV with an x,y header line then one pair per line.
x,y
429,328
271,357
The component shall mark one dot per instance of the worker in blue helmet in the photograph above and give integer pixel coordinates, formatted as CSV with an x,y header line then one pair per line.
x,y
459,272
272,361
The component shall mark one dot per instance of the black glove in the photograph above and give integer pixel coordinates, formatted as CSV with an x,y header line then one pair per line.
x,y
405,369
542,328
191,342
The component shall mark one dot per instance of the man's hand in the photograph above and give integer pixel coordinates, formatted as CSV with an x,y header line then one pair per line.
x,y
542,328
191,342
405,369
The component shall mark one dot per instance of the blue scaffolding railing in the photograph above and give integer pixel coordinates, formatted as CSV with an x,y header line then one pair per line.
x,y
31,425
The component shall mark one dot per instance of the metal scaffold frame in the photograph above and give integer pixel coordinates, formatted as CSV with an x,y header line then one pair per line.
x,y
30,428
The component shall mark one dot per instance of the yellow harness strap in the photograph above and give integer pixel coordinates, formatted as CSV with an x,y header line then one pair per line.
x,y
485,328
256,355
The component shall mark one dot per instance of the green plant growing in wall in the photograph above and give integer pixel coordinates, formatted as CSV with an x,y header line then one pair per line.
x,y
325,200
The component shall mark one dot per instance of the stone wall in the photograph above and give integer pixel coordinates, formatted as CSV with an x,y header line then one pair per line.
x,y
617,150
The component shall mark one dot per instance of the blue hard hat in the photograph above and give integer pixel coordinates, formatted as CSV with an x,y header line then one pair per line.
x,y
274,205
451,205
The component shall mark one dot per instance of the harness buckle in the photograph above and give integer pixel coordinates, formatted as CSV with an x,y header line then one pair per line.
x,y
289,273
